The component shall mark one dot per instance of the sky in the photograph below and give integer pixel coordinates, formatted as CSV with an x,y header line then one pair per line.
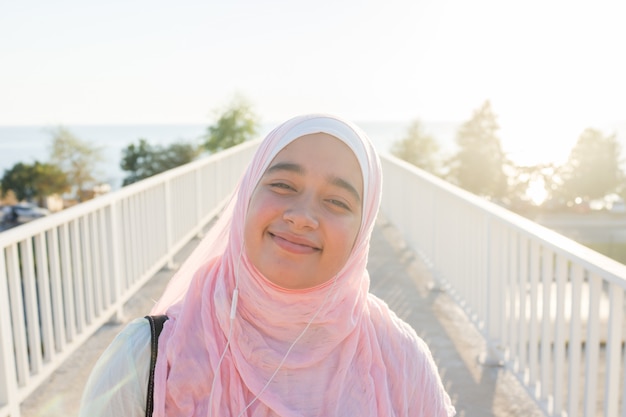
x,y
549,68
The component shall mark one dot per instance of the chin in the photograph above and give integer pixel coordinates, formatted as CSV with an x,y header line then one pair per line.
x,y
291,283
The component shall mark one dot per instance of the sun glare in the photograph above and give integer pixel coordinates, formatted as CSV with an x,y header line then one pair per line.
x,y
537,192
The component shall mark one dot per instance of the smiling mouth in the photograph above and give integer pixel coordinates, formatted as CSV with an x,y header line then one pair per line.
x,y
292,246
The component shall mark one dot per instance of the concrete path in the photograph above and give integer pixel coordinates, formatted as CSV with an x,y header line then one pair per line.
x,y
406,284
397,277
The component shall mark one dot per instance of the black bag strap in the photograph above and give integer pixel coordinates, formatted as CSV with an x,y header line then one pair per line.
x,y
156,326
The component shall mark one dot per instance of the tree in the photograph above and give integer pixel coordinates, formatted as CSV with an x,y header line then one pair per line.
x,y
478,165
145,160
179,153
236,124
76,158
138,161
34,182
593,168
418,148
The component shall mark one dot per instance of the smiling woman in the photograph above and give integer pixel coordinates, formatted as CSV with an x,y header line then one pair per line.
x,y
305,213
272,315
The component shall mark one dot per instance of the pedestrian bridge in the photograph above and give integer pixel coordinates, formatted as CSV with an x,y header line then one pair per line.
x,y
551,312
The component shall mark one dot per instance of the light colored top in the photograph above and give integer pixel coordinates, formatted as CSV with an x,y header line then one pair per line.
x,y
118,383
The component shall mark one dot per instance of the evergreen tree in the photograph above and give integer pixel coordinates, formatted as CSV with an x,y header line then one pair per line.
x,y
478,165
418,148
593,168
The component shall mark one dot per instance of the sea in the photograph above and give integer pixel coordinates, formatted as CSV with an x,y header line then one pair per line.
x,y
32,143
28,144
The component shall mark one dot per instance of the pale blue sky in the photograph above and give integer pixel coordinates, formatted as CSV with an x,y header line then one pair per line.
x,y
547,66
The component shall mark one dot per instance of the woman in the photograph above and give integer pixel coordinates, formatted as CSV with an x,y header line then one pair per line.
x,y
271,315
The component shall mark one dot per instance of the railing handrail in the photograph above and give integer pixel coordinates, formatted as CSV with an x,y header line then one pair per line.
x,y
596,262
55,219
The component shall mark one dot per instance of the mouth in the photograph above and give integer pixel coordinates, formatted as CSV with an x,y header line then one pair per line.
x,y
294,244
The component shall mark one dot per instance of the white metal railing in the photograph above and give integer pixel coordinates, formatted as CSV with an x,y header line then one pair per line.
x,y
551,310
63,276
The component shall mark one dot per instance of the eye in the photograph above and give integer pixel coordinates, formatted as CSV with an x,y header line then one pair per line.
x,y
339,203
280,186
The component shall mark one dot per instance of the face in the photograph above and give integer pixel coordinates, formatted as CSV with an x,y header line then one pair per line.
x,y
305,213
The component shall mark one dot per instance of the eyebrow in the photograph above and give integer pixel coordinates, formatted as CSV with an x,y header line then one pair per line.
x,y
295,168
286,166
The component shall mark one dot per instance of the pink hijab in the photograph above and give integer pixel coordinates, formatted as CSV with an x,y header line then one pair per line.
x,y
331,350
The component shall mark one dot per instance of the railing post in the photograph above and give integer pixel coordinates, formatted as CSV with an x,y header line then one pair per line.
x,y
432,228
592,345
8,388
547,277
490,357
199,201
575,343
169,225
116,263
614,350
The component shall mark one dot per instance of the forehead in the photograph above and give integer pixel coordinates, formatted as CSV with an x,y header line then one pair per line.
x,y
319,147
324,156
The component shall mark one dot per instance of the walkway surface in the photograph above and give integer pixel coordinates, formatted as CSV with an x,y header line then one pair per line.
x,y
401,280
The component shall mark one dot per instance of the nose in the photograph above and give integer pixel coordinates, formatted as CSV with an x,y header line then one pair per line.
x,y
302,214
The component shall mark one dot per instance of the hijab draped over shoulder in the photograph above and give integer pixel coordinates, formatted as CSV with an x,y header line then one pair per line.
x,y
330,350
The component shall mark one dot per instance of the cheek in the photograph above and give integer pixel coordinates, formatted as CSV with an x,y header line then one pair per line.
x,y
252,219
260,211
345,234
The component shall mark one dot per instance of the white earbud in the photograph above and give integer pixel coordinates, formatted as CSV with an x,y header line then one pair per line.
x,y
233,306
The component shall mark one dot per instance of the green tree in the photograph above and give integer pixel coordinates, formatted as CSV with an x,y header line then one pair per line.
x,y
478,165
77,158
179,153
418,148
593,168
143,160
34,182
138,161
236,124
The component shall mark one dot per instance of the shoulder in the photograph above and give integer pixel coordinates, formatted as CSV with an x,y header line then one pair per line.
x,y
118,382
409,363
131,345
136,334
392,332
